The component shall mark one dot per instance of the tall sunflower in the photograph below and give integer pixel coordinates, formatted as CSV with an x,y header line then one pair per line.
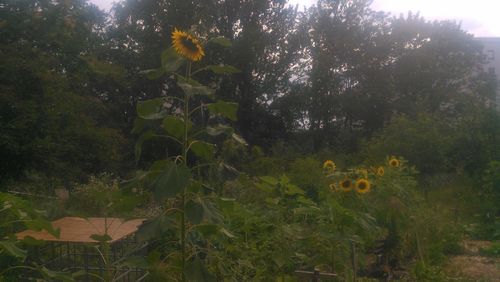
x,y
187,45
362,186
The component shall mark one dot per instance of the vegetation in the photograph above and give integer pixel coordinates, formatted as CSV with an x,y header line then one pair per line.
x,y
257,138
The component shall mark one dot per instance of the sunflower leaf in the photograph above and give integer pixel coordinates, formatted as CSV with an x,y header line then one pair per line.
x,y
175,126
168,182
190,89
225,109
203,149
11,249
153,74
151,109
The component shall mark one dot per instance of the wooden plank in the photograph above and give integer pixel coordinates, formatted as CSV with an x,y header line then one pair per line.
x,y
79,230
314,273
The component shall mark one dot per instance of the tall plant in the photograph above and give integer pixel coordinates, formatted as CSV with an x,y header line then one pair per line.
x,y
177,181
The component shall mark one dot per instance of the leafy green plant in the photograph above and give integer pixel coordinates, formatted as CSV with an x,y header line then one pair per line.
x,y
102,197
17,214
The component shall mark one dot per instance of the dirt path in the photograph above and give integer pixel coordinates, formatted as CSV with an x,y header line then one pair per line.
x,y
471,266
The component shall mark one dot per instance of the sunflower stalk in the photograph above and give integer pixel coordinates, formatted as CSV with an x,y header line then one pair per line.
x,y
185,148
174,179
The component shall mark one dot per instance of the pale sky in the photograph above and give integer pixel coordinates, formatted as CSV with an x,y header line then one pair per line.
x,y
479,17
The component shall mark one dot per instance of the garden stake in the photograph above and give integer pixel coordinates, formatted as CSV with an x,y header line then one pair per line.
x,y
353,261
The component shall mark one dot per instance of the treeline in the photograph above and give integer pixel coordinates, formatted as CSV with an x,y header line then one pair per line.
x,y
329,78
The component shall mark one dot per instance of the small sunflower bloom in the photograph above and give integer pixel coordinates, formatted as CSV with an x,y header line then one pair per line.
x,y
380,171
362,186
329,165
333,187
187,45
394,162
345,185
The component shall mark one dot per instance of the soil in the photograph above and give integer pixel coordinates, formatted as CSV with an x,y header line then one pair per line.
x,y
471,266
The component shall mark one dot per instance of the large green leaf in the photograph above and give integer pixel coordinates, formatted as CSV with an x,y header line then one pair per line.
x,y
11,249
207,229
194,212
191,89
226,109
223,69
155,227
203,149
175,126
169,182
151,109
153,74
170,60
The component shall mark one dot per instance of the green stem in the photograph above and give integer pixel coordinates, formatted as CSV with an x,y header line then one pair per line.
x,y
185,148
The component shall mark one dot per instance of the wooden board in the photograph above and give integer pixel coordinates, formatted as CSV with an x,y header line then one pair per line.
x,y
79,230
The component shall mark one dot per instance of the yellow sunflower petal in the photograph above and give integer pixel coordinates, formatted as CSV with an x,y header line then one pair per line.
x,y
187,45
329,165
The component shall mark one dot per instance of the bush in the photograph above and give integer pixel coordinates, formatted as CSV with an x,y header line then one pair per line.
x,y
424,141
101,196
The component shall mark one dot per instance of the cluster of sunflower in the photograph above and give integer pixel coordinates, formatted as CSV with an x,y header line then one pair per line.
x,y
356,179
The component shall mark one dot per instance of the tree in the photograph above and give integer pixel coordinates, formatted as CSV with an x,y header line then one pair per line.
x,y
51,120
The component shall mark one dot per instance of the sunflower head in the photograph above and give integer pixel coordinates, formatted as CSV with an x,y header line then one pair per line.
x,y
345,185
380,171
362,186
329,165
394,162
187,45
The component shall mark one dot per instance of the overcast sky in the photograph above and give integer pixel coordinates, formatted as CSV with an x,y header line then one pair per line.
x,y
479,17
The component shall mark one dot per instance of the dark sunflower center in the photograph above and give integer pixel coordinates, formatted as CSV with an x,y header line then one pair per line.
x,y
189,44
346,183
362,186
